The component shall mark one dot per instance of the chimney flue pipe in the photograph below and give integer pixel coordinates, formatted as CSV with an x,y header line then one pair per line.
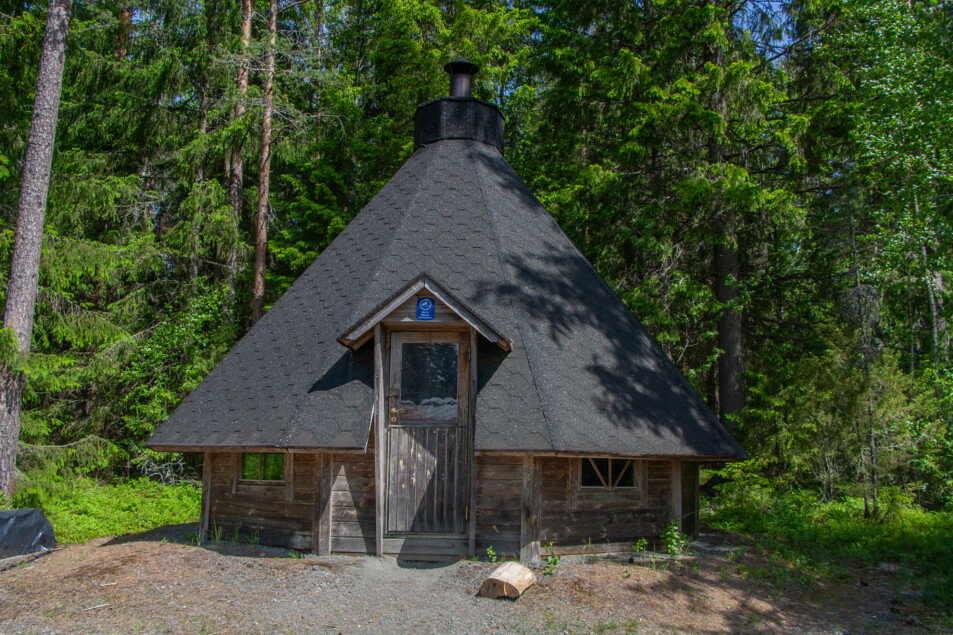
x,y
460,73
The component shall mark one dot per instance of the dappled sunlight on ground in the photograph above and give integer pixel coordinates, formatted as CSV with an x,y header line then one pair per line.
x,y
163,580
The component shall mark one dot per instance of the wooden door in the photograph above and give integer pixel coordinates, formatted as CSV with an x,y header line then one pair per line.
x,y
427,433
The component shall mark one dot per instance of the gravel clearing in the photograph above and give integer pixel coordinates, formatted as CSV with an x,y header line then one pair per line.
x,y
158,582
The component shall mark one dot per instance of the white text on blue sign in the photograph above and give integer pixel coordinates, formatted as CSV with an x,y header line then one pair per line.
x,y
425,307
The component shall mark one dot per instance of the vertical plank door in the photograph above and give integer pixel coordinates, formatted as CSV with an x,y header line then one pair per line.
x,y
427,433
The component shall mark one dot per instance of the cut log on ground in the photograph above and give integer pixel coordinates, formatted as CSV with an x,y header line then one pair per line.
x,y
509,580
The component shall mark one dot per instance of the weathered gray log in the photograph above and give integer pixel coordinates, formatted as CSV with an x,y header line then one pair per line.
x,y
509,580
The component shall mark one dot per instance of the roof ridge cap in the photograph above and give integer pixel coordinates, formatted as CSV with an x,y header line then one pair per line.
x,y
490,219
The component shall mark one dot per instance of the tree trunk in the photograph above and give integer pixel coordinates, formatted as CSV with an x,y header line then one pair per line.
x,y
911,317
941,336
942,329
25,264
203,124
211,9
711,387
874,485
731,368
237,163
264,174
936,320
934,282
125,27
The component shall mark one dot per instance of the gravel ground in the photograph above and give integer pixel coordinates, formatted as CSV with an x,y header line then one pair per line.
x,y
157,582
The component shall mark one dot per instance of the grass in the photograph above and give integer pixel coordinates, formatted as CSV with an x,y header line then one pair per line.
x,y
805,538
91,509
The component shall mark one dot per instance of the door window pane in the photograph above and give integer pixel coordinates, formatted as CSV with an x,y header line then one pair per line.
x,y
428,382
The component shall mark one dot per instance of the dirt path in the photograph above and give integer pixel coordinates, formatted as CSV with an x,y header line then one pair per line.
x,y
156,582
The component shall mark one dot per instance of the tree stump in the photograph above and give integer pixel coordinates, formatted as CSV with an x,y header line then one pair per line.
x,y
508,580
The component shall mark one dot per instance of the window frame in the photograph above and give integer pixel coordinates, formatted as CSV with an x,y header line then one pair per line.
x,y
261,469
599,498
610,482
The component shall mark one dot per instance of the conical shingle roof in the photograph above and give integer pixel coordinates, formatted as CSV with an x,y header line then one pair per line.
x,y
582,375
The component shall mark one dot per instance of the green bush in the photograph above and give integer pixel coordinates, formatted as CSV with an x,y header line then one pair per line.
x,y
550,560
674,541
92,509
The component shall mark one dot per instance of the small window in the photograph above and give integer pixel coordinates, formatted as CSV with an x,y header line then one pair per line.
x,y
263,467
607,474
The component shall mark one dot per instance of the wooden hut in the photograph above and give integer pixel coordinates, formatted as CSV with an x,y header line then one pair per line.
x,y
450,374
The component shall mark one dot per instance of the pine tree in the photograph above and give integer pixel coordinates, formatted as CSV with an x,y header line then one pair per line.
x,y
25,265
264,170
236,160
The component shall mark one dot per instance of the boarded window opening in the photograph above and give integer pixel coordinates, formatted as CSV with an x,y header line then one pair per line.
x,y
607,474
263,467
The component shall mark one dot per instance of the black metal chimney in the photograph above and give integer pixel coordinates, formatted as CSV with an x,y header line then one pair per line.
x,y
460,73
458,116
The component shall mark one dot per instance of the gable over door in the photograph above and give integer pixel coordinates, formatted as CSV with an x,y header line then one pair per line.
x,y
426,440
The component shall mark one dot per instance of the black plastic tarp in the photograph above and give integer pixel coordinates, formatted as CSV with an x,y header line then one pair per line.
x,y
24,531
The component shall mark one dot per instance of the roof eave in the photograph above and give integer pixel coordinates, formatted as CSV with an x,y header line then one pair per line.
x,y
355,336
165,447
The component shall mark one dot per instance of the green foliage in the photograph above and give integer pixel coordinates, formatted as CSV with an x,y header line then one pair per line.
x,y
674,541
89,509
660,133
491,554
177,355
640,545
216,533
550,560
811,537
252,536
50,472
832,408
9,347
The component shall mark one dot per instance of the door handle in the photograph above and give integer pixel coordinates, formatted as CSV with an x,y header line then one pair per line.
x,y
398,411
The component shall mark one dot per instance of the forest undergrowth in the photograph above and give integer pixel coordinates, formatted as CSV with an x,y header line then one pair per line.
x,y
86,508
809,539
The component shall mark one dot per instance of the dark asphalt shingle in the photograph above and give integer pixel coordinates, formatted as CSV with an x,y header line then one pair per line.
x,y
582,375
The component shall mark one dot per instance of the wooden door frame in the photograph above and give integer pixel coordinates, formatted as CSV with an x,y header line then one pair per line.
x,y
383,360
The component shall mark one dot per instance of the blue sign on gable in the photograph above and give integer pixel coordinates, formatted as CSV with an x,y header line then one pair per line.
x,y
425,308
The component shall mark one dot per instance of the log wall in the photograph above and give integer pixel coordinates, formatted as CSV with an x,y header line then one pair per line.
x,y
270,514
573,521
498,502
353,504
597,522
283,514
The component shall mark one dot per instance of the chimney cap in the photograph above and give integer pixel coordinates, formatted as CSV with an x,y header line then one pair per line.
x,y
461,66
